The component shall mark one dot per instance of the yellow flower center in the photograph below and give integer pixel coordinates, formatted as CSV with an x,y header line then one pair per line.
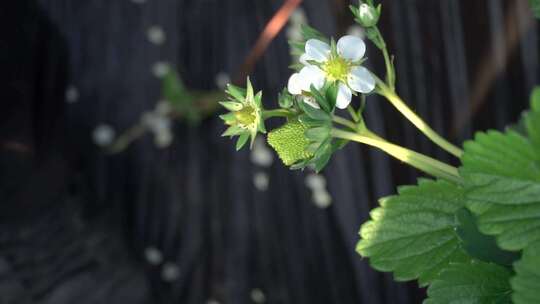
x,y
337,68
246,117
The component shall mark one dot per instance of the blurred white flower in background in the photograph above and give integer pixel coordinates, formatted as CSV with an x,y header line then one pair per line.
x,y
160,126
317,183
156,35
322,198
356,30
222,79
103,135
153,256
257,296
297,19
170,272
261,155
261,180
160,69
72,94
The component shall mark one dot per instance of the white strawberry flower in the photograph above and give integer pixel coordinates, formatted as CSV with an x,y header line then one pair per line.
x,y
342,66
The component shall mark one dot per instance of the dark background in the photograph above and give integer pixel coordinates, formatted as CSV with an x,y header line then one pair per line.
x,y
75,223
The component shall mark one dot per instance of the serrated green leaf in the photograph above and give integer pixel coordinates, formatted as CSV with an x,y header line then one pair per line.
x,y
506,208
467,283
502,172
412,234
510,155
526,282
479,245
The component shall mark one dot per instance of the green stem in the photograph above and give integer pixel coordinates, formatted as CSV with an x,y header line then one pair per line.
x,y
353,113
344,122
398,103
422,162
276,113
377,38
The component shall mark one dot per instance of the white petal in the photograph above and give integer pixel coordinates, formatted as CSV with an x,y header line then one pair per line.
x,y
317,50
361,80
311,75
304,59
295,84
344,96
351,48
311,101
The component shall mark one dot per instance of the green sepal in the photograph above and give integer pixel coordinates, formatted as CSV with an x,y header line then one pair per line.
x,y
228,117
233,131
242,140
322,155
318,134
331,92
285,99
313,113
321,100
231,105
236,92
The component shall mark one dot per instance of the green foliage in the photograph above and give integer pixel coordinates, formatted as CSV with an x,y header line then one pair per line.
x,y
176,93
319,125
503,178
526,282
475,282
535,4
412,234
479,245
463,240
507,208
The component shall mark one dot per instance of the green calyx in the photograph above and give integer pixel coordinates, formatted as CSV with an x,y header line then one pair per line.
x,y
290,143
245,117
